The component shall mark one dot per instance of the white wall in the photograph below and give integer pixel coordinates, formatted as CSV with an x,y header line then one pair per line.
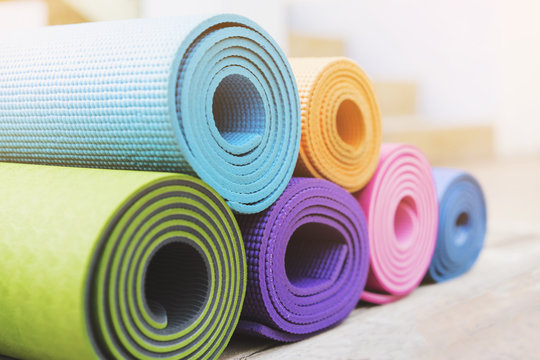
x,y
518,123
270,14
101,10
23,14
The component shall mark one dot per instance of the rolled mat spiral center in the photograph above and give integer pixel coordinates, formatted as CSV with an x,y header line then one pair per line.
x,y
462,224
341,123
116,264
308,259
401,208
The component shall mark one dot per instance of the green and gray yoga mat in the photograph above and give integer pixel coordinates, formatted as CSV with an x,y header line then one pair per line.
x,y
115,264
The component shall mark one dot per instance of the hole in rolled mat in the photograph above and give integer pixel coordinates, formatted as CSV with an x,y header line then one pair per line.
x,y
404,219
238,110
176,285
462,228
315,254
350,123
462,220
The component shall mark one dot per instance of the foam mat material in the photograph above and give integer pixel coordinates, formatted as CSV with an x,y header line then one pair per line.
x,y
341,123
115,264
401,208
462,224
208,96
307,258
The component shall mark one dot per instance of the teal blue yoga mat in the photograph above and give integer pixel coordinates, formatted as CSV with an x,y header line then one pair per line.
x,y
208,96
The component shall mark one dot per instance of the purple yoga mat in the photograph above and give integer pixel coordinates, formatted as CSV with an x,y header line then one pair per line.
x,y
307,259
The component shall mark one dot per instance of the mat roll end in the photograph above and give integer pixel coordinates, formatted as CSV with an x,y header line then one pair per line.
x,y
462,224
402,244
307,258
238,112
169,278
341,121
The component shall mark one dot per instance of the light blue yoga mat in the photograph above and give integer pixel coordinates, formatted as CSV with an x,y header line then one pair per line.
x,y
462,224
208,96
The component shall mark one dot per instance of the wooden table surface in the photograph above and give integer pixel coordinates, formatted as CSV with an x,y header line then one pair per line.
x,y
492,312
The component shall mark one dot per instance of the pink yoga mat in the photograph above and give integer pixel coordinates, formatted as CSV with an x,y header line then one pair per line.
x,y
400,204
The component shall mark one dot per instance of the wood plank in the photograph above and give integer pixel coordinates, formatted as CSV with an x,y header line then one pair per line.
x,y
61,13
441,143
396,98
301,45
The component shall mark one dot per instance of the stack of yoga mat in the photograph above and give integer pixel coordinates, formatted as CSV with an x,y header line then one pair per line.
x,y
149,207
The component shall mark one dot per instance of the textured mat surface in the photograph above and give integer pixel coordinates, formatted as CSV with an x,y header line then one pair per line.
x,y
307,258
115,264
462,224
211,96
401,208
341,123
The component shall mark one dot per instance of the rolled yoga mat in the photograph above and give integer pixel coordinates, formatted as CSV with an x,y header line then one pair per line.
x,y
341,123
307,261
115,265
462,224
211,96
401,208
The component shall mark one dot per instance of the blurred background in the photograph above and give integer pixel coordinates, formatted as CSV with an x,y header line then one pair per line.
x,y
460,79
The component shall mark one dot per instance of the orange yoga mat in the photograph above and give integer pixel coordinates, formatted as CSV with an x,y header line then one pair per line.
x,y
341,122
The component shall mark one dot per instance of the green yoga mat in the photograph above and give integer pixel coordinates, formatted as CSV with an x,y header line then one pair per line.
x,y
115,264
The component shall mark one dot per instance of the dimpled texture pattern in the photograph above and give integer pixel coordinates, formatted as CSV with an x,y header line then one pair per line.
x,y
208,96
462,224
341,123
307,259
400,204
77,276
